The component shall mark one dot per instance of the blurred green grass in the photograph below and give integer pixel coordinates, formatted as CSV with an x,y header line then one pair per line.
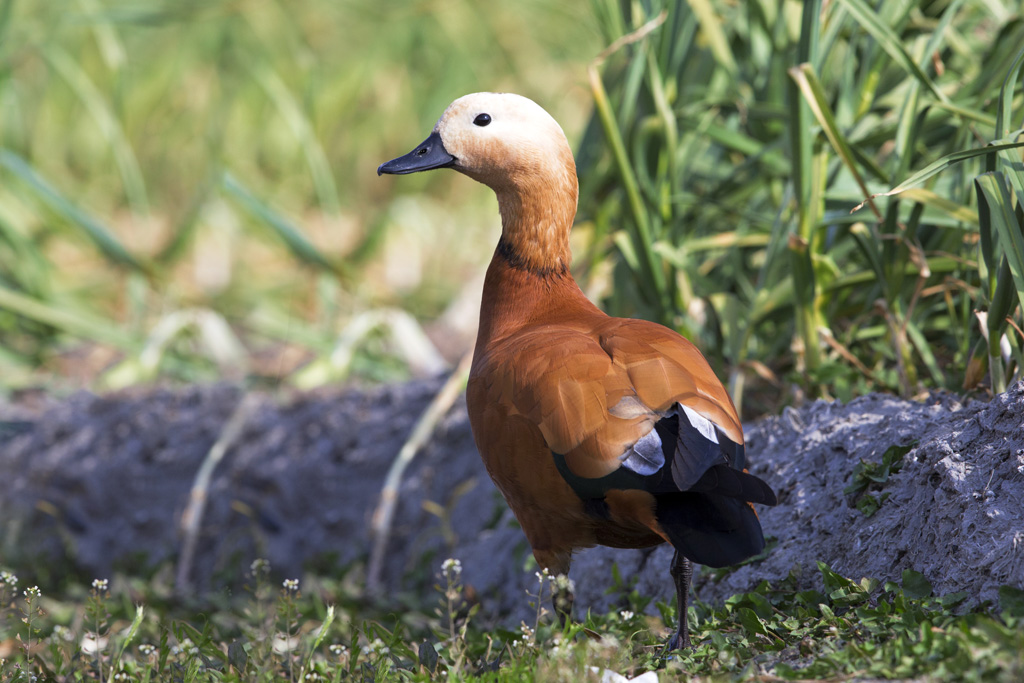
x,y
187,190
163,156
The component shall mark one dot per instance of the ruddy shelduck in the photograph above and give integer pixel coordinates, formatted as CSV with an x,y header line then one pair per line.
x,y
597,430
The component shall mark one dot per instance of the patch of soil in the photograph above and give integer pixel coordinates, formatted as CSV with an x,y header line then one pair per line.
x,y
99,483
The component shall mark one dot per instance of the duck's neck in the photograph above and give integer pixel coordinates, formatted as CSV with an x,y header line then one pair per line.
x,y
536,216
528,281
536,229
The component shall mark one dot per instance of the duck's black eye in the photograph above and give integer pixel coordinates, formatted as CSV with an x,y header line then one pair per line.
x,y
482,120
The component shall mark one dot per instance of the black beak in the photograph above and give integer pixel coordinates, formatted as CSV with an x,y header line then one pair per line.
x,y
428,154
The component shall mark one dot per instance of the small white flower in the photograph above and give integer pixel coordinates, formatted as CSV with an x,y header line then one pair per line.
x,y
92,644
146,649
626,615
291,585
8,578
62,633
563,582
376,647
259,566
451,566
32,592
186,647
338,650
100,585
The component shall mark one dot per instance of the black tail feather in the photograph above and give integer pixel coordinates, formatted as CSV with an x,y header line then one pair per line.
x,y
712,530
726,481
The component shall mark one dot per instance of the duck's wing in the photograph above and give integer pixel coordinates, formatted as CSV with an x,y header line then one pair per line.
x,y
633,416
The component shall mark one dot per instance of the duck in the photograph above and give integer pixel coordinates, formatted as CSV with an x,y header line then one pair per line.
x,y
597,430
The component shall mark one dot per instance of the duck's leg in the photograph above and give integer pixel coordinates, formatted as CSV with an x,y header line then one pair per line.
x,y
562,599
562,596
682,572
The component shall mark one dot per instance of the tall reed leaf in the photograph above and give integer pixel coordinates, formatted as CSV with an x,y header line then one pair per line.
x,y
66,319
297,243
942,164
102,237
1000,220
875,90
99,108
890,42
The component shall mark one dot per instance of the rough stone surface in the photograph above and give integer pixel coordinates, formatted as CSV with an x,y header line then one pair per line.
x,y
955,510
99,483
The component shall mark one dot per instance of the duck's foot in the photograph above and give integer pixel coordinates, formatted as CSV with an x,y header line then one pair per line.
x,y
681,572
679,641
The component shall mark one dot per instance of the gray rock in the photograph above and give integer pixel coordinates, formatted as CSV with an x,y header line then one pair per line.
x,y
99,483
955,510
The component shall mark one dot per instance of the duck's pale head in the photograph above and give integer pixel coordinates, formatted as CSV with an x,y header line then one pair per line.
x,y
495,138
509,143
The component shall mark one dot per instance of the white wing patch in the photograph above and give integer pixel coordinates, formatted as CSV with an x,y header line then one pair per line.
x,y
703,425
645,457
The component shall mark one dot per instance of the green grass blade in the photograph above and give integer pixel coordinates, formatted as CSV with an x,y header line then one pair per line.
x,y
1003,300
183,231
924,350
301,127
624,242
321,634
772,159
723,240
814,95
966,113
140,611
799,113
1004,108
890,42
109,44
911,122
936,264
652,275
71,321
105,240
1003,252
995,209
668,121
869,246
22,264
951,208
938,36
291,235
810,32
630,94
942,164
97,106
805,294
711,27
5,17
1011,165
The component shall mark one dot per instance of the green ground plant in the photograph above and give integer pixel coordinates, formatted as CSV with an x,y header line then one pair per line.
x,y
131,632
